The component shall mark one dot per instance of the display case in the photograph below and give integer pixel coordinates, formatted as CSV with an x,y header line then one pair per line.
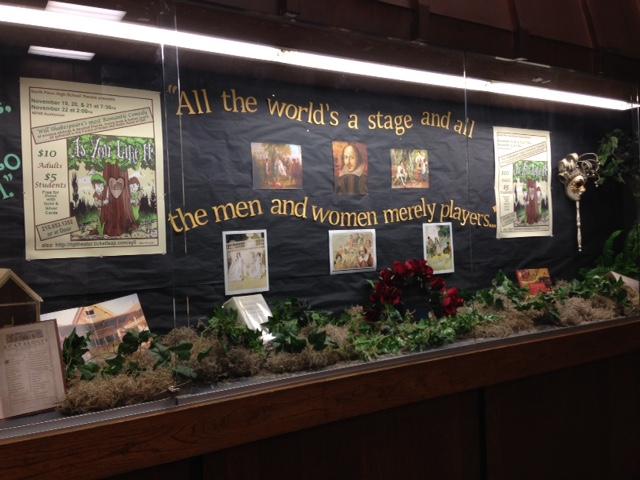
x,y
380,193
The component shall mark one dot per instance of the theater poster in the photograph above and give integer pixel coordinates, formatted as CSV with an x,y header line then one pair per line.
x,y
523,182
93,170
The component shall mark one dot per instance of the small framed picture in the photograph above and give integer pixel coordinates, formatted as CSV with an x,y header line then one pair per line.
x,y
276,166
350,166
409,168
352,251
437,240
246,266
536,280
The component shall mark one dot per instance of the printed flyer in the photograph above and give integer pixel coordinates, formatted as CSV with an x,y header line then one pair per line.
x,y
246,262
523,182
93,170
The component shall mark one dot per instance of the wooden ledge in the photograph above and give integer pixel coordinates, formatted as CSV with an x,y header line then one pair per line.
x,y
207,423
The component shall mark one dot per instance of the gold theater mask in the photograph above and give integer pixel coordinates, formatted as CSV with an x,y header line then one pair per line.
x,y
575,171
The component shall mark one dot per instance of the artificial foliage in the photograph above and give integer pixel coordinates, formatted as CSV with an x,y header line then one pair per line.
x,y
296,327
147,366
225,327
621,254
619,160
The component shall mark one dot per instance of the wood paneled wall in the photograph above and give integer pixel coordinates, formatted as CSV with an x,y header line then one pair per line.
x,y
581,422
587,35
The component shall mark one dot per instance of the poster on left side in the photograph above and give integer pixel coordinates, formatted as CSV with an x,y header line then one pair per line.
x,y
93,170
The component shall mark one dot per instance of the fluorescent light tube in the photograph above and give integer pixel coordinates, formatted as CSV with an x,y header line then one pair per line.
x,y
142,33
85,11
61,53
541,93
378,70
134,32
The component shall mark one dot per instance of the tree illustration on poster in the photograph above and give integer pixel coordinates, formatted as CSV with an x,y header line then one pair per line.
x,y
113,165
116,214
531,190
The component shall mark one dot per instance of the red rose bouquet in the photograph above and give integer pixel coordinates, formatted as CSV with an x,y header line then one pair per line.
x,y
392,281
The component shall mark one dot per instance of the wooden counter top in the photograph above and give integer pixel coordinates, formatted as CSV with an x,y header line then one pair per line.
x,y
208,423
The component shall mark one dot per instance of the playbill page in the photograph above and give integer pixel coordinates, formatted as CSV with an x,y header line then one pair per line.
x,y
523,182
30,369
93,176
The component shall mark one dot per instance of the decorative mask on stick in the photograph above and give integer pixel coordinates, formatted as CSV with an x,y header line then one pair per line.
x,y
574,172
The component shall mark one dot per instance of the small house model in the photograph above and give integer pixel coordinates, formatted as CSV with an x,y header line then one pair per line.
x,y
18,303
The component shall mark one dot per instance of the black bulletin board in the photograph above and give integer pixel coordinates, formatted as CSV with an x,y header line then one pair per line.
x,y
208,163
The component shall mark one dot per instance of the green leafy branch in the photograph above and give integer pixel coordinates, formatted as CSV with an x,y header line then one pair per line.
x,y
225,326
625,261
393,337
75,346
73,349
618,158
170,357
289,319
546,304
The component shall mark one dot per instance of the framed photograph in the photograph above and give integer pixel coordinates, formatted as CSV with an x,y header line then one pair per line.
x,y
536,280
409,168
350,166
107,322
437,239
352,251
246,266
276,166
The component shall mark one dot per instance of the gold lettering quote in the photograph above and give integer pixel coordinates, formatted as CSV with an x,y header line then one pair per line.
x,y
428,212
200,102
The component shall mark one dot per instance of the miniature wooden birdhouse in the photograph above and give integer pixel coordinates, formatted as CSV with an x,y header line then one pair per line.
x,y
18,303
